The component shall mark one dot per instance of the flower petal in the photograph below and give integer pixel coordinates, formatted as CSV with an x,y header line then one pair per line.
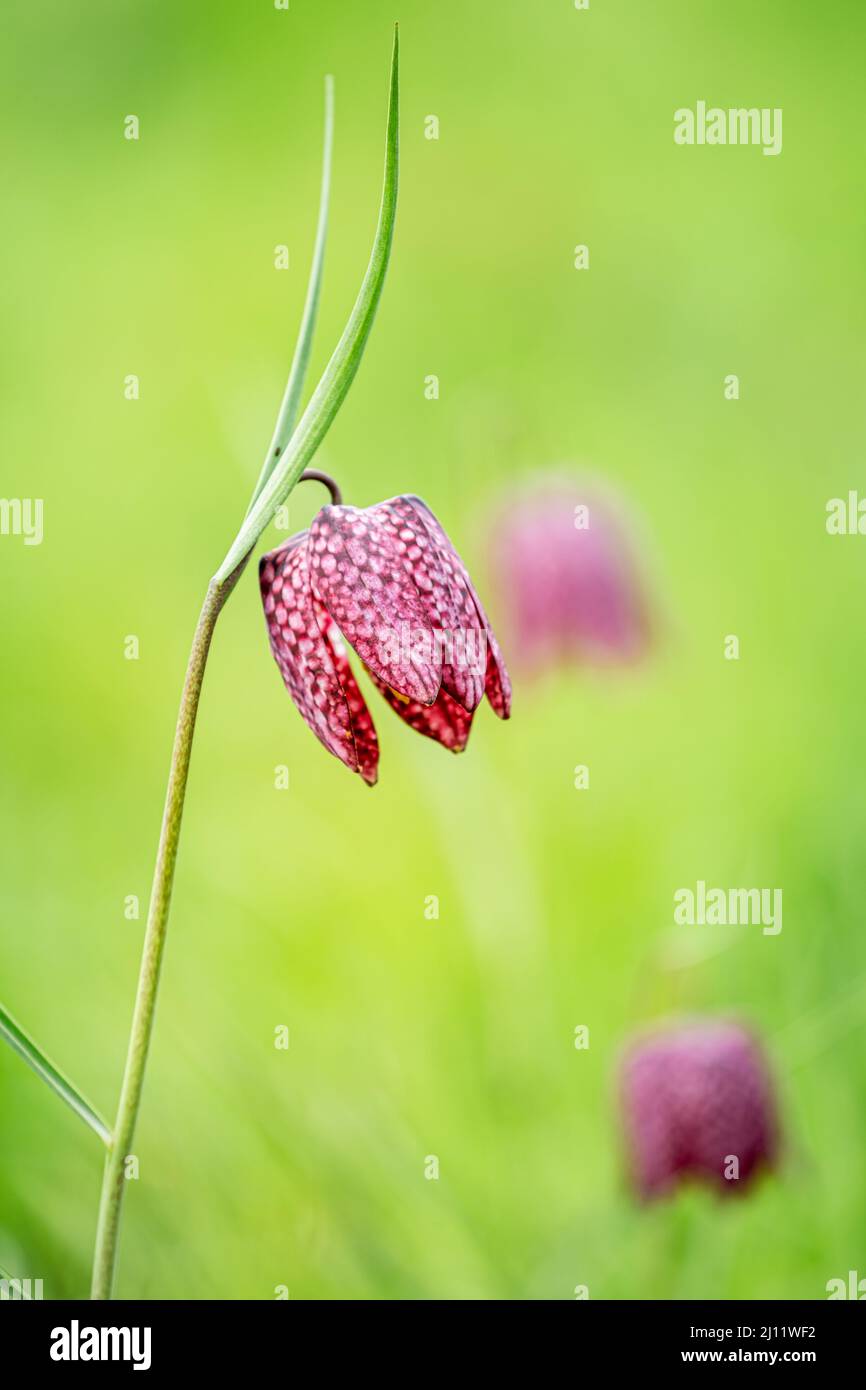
x,y
313,662
497,684
445,720
450,611
358,573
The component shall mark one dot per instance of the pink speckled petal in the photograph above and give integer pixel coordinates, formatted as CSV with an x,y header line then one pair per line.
x,y
450,610
363,729
313,662
358,573
497,684
445,720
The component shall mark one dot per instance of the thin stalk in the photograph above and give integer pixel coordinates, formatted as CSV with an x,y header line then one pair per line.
x,y
113,1181
283,469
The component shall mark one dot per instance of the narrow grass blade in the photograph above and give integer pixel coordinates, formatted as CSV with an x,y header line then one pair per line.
x,y
7,1278
301,360
340,371
26,1048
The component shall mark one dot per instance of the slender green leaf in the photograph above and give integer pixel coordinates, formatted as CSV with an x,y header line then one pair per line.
x,y
8,1279
340,371
301,360
19,1041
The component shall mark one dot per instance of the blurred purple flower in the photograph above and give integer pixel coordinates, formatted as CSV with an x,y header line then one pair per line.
x,y
564,572
697,1102
388,580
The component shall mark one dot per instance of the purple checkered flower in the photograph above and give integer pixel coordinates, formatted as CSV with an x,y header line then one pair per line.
x,y
697,1103
387,581
564,571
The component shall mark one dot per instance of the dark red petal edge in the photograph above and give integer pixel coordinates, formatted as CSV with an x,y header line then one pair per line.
x,y
445,721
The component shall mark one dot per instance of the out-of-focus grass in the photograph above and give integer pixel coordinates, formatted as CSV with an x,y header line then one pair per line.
x,y
410,1038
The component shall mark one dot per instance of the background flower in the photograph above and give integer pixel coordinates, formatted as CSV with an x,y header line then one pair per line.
x,y
567,574
697,1103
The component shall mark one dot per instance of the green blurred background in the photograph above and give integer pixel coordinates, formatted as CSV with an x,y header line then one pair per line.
x,y
305,907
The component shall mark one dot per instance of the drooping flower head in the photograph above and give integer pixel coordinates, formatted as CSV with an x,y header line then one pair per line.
x,y
387,581
566,578
697,1102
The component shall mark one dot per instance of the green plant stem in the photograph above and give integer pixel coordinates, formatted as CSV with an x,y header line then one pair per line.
x,y
108,1226
283,468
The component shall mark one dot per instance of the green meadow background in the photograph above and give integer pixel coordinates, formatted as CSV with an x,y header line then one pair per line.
x,y
305,907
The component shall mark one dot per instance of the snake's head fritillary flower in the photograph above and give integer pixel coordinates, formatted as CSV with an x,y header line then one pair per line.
x,y
698,1103
565,574
386,581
